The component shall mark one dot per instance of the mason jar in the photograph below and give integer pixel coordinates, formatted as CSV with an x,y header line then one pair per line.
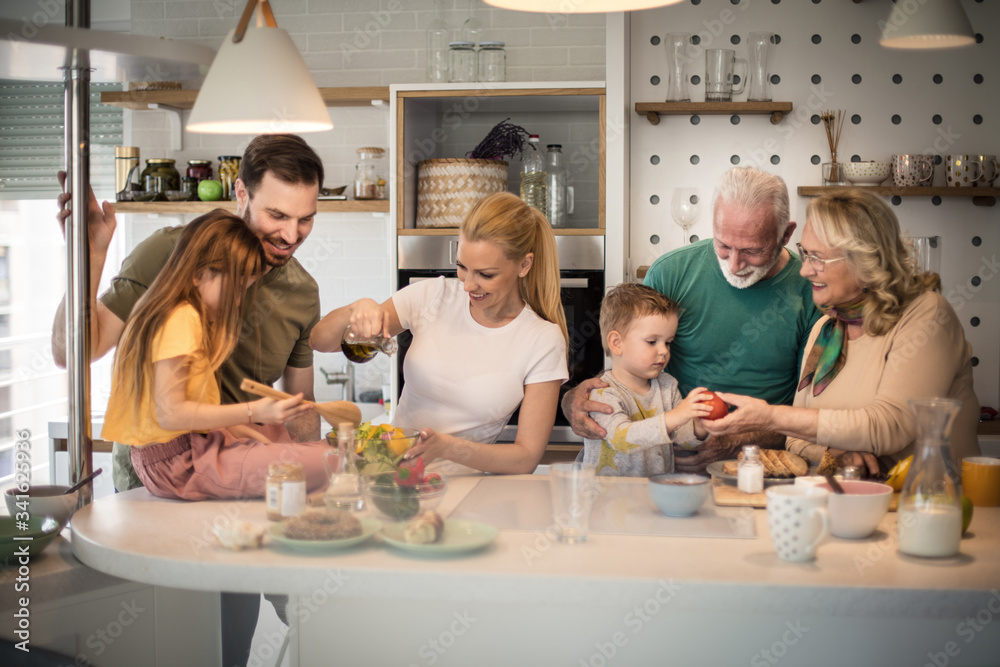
x,y
369,176
160,175
492,61
462,62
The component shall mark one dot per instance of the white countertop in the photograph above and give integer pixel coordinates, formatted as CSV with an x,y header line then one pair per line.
x,y
136,536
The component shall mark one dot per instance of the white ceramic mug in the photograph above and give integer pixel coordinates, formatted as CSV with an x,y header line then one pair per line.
x,y
798,521
963,170
912,170
989,172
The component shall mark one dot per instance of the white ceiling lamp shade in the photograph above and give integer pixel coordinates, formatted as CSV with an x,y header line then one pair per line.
x,y
258,84
579,6
926,24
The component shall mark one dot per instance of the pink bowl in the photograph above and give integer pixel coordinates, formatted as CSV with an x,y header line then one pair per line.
x,y
856,513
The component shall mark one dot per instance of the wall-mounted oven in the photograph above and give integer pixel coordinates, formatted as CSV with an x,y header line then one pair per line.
x,y
581,271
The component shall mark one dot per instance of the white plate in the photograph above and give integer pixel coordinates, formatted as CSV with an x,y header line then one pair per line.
x,y
369,527
458,536
715,470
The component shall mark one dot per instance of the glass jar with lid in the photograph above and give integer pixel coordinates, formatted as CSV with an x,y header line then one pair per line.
x,y
369,174
492,61
285,490
200,169
462,62
229,171
160,175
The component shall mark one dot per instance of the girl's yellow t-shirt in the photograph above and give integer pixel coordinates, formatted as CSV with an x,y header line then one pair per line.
x,y
181,335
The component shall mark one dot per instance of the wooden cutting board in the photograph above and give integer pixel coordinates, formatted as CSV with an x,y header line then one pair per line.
x,y
727,495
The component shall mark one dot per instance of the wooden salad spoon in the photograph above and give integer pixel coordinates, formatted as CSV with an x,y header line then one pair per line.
x,y
333,411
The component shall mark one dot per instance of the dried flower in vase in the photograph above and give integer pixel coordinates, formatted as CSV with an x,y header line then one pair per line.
x,y
504,140
833,123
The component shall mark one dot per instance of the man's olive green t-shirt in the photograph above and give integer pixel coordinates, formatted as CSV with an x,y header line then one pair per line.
x,y
275,329
744,341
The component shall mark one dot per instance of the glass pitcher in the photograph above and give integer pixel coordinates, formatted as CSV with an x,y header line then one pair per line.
x,y
930,505
344,491
362,350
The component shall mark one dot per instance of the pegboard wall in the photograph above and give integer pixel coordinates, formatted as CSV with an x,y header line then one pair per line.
x,y
827,56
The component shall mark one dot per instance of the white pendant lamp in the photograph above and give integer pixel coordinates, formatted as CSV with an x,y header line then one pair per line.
x,y
929,24
579,6
258,83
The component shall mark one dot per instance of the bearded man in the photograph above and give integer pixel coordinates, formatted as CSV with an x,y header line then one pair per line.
x,y
746,312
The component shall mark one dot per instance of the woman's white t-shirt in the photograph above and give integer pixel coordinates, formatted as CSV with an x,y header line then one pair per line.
x,y
462,378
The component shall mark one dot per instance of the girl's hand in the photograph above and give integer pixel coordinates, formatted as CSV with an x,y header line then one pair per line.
x,y
369,319
751,414
275,411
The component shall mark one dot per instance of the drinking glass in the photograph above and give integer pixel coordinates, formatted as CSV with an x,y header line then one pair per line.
x,y
573,487
677,89
760,86
684,209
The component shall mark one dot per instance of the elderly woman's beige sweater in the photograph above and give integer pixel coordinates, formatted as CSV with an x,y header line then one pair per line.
x,y
865,407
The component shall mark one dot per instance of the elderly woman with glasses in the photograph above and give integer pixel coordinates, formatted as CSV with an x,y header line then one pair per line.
x,y
887,336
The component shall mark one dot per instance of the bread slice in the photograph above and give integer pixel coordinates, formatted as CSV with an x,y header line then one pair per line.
x,y
731,468
773,466
795,463
827,465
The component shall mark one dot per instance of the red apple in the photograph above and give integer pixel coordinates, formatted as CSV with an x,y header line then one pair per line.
x,y
719,407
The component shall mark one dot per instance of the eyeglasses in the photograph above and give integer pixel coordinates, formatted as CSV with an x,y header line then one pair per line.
x,y
815,262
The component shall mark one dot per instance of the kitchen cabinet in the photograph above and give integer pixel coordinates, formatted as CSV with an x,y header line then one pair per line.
x,y
449,120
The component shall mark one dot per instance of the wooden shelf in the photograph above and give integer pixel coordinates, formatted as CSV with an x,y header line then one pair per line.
x,y
453,231
197,207
980,196
653,110
140,100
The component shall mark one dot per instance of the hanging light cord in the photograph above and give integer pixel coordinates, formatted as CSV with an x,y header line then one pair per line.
x,y
265,7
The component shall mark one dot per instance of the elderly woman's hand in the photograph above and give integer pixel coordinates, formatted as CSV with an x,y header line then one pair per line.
x,y
866,461
751,414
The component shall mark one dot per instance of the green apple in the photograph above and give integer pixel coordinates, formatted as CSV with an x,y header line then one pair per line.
x,y
209,190
966,513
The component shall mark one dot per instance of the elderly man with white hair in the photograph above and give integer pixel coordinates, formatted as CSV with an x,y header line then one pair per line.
x,y
746,310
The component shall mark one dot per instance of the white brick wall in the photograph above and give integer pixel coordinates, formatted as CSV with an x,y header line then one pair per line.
x,y
360,43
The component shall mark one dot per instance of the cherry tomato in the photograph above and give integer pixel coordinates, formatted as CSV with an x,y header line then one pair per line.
x,y
719,407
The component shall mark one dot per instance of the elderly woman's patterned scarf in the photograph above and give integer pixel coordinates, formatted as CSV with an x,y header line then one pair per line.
x,y
829,353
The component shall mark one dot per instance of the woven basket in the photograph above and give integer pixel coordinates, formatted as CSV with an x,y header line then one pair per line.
x,y
447,189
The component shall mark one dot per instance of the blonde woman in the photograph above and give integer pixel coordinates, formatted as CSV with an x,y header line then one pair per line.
x,y
887,336
483,344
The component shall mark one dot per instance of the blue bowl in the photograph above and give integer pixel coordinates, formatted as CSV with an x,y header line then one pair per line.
x,y
679,494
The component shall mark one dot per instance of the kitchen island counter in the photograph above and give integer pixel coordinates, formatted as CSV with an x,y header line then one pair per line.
x,y
638,597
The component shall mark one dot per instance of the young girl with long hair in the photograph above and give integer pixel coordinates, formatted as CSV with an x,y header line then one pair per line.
x,y
483,344
165,400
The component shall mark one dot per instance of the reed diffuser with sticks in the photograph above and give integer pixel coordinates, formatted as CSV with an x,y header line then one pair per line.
x,y
833,123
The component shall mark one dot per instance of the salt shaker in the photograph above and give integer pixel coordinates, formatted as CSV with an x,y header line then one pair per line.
x,y
750,472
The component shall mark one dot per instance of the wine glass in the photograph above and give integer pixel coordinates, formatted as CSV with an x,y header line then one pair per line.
x,y
684,209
